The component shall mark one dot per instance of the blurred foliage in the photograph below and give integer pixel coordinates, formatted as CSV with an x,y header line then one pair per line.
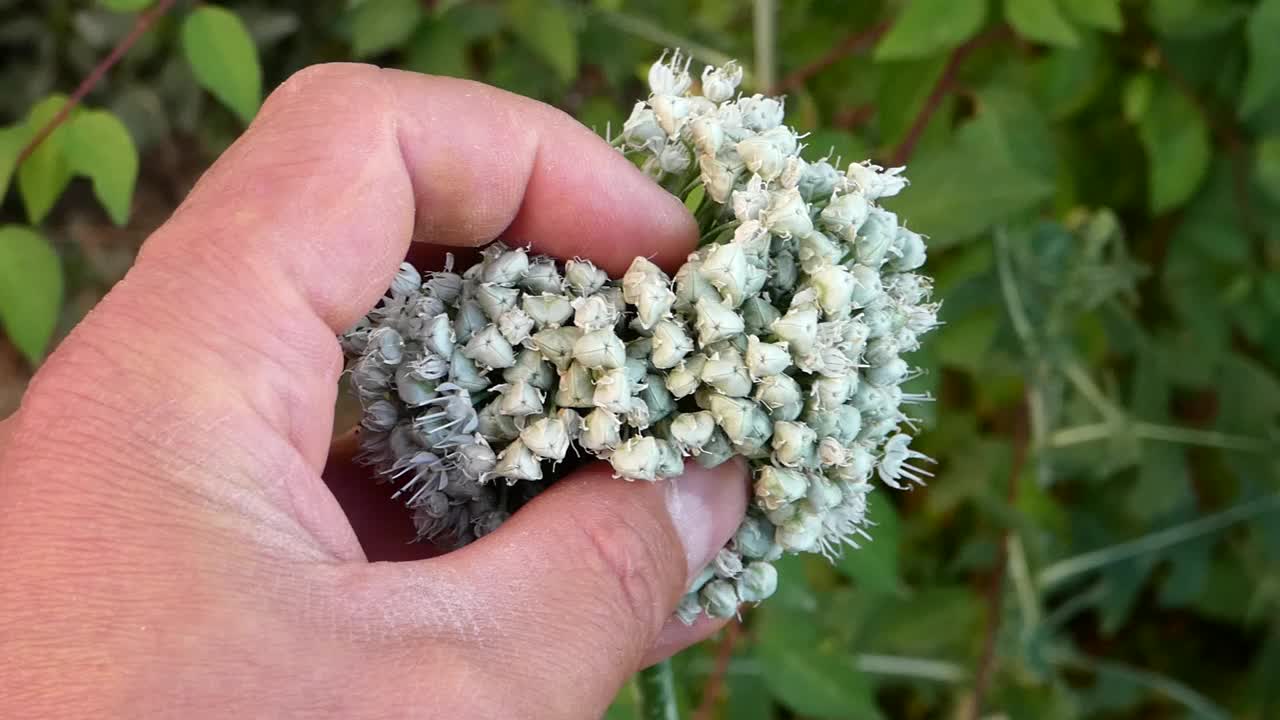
x,y
1101,182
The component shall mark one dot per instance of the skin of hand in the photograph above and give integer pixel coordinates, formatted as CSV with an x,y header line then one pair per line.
x,y
169,546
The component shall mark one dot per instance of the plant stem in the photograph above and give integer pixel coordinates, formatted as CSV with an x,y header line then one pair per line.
x,y
656,691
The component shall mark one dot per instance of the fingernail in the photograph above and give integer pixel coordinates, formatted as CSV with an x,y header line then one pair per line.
x,y
706,507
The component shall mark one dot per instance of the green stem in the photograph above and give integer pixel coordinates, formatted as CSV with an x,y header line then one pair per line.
x,y
656,691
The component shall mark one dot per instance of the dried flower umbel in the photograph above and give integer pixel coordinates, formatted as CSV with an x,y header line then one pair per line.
x,y
780,339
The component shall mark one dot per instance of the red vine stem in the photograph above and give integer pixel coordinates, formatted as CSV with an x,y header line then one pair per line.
x,y
941,89
855,42
715,682
140,27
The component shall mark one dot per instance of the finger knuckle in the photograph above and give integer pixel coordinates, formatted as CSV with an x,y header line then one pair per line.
x,y
626,552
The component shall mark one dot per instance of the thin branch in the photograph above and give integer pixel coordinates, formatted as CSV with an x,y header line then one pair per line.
x,y
851,44
946,83
99,71
714,687
656,692
995,590
764,19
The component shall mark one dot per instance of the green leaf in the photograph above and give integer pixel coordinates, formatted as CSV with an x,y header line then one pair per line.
x,y
874,565
99,147
547,28
1262,80
1040,20
1266,161
805,671
125,6
1101,14
381,25
223,58
12,140
1176,139
437,48
931,27
1193,18
1007,145
45,173
30,290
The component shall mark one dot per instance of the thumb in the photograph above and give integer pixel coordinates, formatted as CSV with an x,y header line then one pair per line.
x,y
581,581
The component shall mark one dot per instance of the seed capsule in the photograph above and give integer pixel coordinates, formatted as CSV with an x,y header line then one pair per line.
x,y
556,345
757,583
584,277
684,379
407,280
547,438
601,432
600,349
794,444
517,462
692,431
507,269
637,459
489,348
776,487
719,599
716,322
520,399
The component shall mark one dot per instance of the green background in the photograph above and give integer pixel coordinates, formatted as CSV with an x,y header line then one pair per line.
x,y
1100,180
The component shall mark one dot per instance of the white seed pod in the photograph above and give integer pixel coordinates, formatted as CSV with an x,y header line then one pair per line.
x,y
464,373
717,177
406,281
685,378
413,389
692,431
787,214
517,462
468,319
740,418
726,267
798,328
636,370
445,285
515,325
572,423
556,344
764,359
908,288
781,396
670,345
670,461
654,302
692,285
542,277
370,378
380,416
873,400
776,487
727,564
494,426
758,582
726,372
754,537
689,609
386,345
874,181
717,451
637,414
583,277
758,315
716,322
594,312
845,214
575,389
547,310
706,133
876,237
890,373
474,460
819,181
641,130
531,368
794,444
600,350
762,157
754,240
834,285
823,494
674,157
613,391
488,348
908,251
719,599
721,83
792,173
547,438
800,532
507,269
519,399
784,273
829,393
656,398
641,272
877,429
637,458
670,77
601,432
866,286
760,113
437,335
495,300
816,251
672,113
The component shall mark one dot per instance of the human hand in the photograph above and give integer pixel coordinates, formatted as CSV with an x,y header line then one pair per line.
x,y
169,544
